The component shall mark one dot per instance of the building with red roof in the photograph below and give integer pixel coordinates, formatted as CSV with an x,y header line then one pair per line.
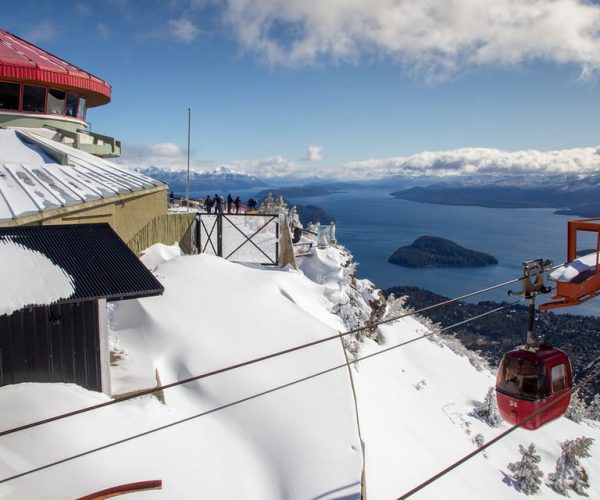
x,y
53,171
40,90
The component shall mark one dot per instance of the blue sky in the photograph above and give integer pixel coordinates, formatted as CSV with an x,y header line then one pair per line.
x,y
357,80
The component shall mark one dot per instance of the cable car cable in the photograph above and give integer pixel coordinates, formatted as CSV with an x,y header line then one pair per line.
x,y
499,436
159,388
248,398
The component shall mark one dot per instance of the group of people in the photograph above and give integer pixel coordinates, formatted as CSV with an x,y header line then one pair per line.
x,y
218,204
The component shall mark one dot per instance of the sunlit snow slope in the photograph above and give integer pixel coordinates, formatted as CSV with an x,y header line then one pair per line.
x,y
298,442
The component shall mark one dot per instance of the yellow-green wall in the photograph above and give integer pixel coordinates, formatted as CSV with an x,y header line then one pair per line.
x,y
126,213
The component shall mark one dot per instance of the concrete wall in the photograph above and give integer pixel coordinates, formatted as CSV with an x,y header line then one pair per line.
x,y
18,119
126,213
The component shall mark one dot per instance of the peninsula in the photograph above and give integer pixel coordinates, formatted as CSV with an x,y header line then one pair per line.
x,y
432,251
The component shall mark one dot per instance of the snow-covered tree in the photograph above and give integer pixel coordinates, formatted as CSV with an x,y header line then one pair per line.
x,y
488,410
526,471
594,409
577,409
569,473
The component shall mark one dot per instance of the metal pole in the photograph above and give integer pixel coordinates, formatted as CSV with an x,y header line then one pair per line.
x,y
187,188
531,340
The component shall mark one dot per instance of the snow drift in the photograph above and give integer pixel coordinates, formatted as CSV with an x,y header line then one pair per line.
x,y
415,404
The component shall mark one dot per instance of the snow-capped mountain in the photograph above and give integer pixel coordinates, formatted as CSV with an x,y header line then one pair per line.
x,y
220,179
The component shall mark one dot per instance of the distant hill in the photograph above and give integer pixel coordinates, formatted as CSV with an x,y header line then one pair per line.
x,y
312,213
220,179
571,195
305,191
432,251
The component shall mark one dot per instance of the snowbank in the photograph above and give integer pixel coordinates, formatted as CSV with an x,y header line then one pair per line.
x,y
414,403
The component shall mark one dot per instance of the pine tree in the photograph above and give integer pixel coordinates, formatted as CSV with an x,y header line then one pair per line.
x,y
488,410
569,473
594,409
577,409
526,472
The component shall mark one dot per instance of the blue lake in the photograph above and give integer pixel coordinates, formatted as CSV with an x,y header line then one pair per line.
x,y
372,224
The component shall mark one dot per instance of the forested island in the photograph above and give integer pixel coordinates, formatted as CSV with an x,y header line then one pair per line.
x,y
497,333
432,251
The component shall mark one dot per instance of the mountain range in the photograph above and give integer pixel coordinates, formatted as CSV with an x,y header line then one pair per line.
x,y
569,194
222,179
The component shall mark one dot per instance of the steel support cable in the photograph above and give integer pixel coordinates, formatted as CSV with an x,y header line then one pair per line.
x,y
159,388
243,400
499,437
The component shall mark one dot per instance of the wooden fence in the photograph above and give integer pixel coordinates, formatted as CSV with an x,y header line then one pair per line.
x,y
167,229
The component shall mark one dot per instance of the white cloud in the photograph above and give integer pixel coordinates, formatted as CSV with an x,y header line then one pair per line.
x,y
273,166
166,150
183,30
41,32
454,163
471,161
104,31
170,156
433,37
165,154
314,153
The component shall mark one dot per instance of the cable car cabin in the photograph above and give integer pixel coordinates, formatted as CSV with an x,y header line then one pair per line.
x,y
529,379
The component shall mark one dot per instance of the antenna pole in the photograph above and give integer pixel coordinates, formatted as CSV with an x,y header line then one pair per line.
x,y
187,186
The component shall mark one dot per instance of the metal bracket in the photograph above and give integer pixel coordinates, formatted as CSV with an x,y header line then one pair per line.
x,y
533,278
533,284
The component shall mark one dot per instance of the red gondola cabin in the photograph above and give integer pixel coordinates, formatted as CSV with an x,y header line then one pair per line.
x,y
530,378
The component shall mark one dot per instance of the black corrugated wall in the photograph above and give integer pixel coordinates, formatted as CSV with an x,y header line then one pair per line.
x,y
58,343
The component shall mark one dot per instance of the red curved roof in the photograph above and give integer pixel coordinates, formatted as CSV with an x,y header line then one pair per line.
x,y
24,62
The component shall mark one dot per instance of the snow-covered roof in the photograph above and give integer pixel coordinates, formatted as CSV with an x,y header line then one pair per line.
x,y
42,265
574,268
32,180
19,266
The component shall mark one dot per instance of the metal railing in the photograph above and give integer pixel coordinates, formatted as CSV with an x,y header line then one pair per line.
x,y
245,238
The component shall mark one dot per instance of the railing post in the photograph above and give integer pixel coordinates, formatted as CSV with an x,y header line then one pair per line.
x,y
220,234
198,243
277,238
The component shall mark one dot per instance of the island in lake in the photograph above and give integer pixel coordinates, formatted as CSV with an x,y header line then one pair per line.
x,y
431,251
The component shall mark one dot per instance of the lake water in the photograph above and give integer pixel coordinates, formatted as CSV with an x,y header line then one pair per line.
x,y
372,224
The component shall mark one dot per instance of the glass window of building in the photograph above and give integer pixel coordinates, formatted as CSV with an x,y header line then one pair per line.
x,y
34,98
9,95
81,109
71,109
56,102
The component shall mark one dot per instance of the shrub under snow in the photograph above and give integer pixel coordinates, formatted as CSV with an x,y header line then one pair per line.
x,y
526,471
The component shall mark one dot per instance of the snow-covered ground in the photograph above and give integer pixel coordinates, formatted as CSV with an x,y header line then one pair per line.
x,y
301,441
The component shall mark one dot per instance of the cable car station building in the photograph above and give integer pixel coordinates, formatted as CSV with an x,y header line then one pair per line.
x,y
52,169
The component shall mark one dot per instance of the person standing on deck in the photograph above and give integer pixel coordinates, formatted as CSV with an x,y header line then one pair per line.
x,y
229,203
237,202
208,204
218,204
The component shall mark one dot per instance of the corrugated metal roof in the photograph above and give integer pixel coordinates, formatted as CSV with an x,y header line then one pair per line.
x,y
21,60
31,181
100,264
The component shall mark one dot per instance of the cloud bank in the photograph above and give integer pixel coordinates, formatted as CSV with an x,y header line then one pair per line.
x,y
314,153
465,161
480,161
434,37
